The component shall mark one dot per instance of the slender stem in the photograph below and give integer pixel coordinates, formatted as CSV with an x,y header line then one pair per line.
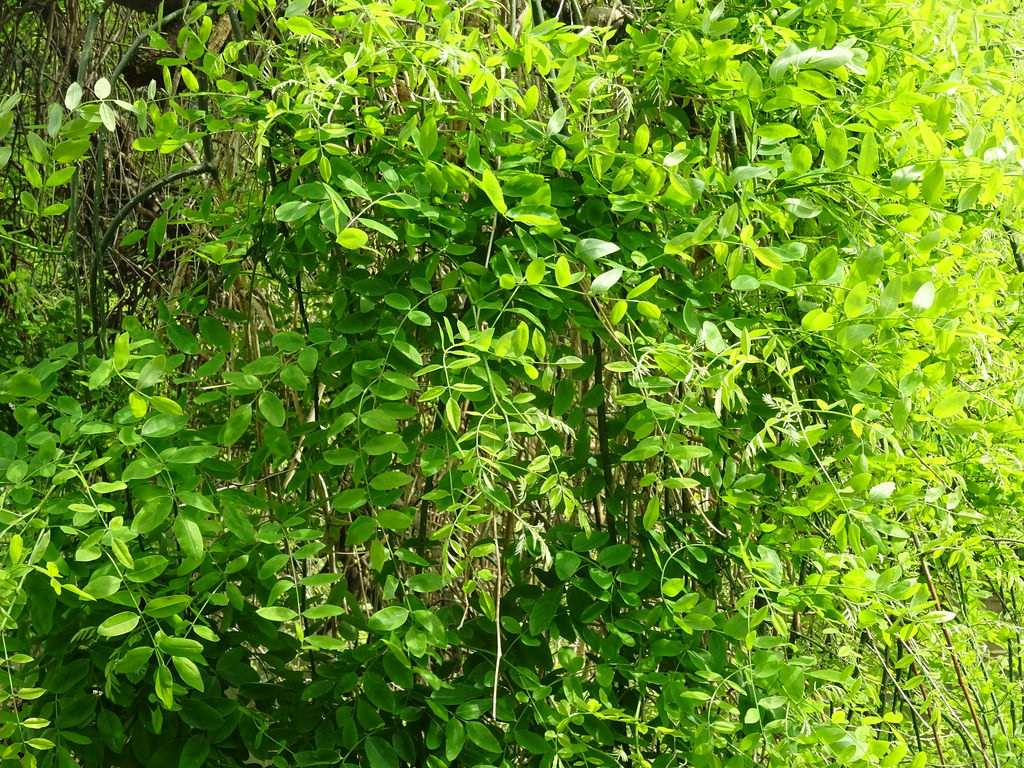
x,y
97,285
499,554
151,189
90,35
602,436
143,37
969,699
236,32
74,213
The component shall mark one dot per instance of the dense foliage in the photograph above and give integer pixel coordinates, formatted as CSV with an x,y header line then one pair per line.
x,y
407,384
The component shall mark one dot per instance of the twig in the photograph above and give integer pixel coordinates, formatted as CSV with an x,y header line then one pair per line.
x,y
151,189
143,37
926,570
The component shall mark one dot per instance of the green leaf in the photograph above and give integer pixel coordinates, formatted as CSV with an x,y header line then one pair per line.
x,y
388,481
604,282
163,685
951,403
23,384
360,530
236,425
428,137
388,619
69,151
59,177
648,448
193,754
776,131
482,736
380,753
183,339
454,738
214,333
118,624
556,121
189,672
140,469
302,26
73,96
615,555
752,85
134,660
924,297
108,487
648,309
277,613
713,338
151,372
801,208
743,283
165,405
272,408
237,523
188,79
193,454
189,537
167,606
535,272
768,257
489,184
868,265
881,492
590,249
101,374
933,183
544,610
836,147
867,160
294,210
152,515
823,266
352,238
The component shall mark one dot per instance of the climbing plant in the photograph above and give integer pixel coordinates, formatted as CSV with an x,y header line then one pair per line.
x,y
473,386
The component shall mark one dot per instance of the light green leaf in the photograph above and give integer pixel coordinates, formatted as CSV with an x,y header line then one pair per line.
x,y
118,624
73,96
836,147
293,210
535,272
603,282
743,283
881,492
924,297
563,273
489,184
352,238
277,613
801,208
867,160
950,404
777,131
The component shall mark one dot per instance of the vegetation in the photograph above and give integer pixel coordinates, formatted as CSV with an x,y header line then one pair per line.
x,y
407,383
